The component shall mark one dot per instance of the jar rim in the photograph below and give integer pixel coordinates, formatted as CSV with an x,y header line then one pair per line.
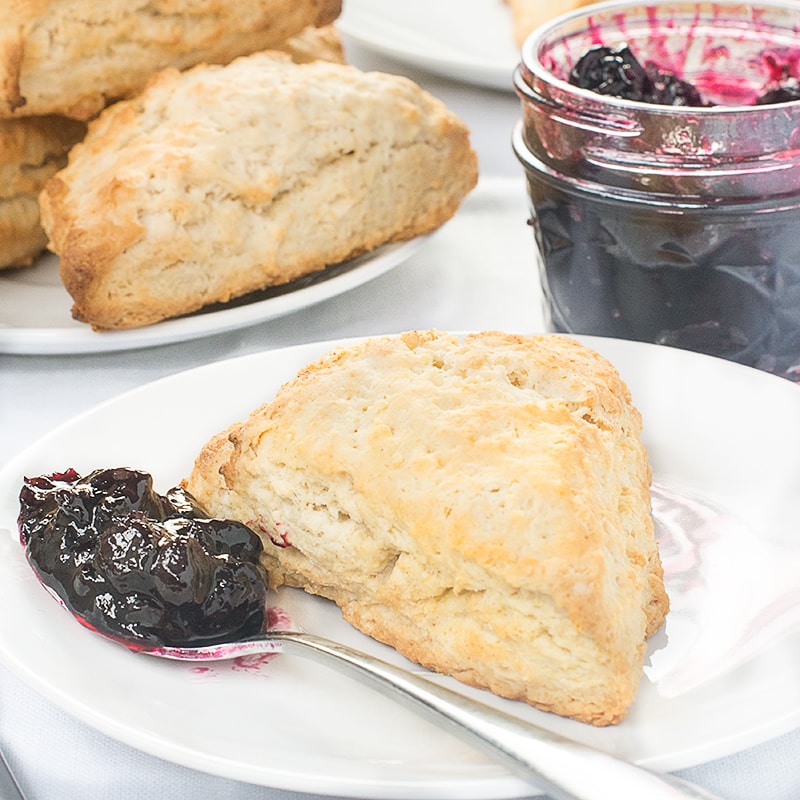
x,y
532,67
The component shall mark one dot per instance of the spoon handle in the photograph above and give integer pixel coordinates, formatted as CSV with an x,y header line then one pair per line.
x,y
565,769
9,788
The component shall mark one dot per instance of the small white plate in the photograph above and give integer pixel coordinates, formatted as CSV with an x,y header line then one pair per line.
x,y
721,676
469,41
36,319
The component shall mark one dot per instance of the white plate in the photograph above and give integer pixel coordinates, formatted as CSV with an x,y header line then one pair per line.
x,y
35,316
720,677
469,41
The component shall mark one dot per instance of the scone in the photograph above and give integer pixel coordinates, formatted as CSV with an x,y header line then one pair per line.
x,y
72,57
220,181
482,505
527,15
31,151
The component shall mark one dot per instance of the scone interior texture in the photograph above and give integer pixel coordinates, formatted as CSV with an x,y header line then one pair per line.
x,y
72,57
481,504
223,180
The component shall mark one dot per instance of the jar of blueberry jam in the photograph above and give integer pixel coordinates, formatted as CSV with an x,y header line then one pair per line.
x,y
661,145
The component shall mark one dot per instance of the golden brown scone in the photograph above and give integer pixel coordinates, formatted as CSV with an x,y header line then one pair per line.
x,y
223,180
527,15
31,151
72,57
482,505
315,44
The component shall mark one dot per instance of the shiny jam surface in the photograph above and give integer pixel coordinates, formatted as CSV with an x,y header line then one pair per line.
x,y
139,567
618,72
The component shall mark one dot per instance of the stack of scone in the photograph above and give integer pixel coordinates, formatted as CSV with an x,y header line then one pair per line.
x,y
230,148
63,61
481,504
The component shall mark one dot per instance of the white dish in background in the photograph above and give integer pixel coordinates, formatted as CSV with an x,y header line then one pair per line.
x,y
722,675
36,319
471,42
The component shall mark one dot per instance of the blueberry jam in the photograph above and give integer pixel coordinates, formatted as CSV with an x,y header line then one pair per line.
x,y
140,567
661,147
617,72
714,281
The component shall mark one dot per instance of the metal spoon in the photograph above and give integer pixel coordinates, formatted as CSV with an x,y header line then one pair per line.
x,y
9,788
565,769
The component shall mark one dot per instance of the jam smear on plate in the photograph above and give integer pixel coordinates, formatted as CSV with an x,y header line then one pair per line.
x,y
139,567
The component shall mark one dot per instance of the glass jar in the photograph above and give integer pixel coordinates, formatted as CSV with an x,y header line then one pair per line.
x,y
669,224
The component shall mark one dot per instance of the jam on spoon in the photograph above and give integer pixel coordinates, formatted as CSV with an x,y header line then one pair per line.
x,y
139,567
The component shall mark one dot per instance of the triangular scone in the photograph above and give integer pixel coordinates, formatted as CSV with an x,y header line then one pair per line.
x,y
72,57
527,15
220,181
480,504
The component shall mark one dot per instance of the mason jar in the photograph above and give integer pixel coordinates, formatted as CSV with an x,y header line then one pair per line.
x,y
669,224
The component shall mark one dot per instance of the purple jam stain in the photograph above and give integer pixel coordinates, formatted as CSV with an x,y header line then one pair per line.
x,y
275,532
276,618
251,663
139,567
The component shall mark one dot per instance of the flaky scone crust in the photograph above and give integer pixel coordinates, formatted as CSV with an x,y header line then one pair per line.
x,y
72,57
481,505
220,181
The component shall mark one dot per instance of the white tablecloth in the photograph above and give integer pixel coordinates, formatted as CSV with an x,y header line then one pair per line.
x,y
483,278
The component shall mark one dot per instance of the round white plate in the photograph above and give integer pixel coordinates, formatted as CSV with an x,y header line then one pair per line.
x,y
721,676
36,319
469,41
